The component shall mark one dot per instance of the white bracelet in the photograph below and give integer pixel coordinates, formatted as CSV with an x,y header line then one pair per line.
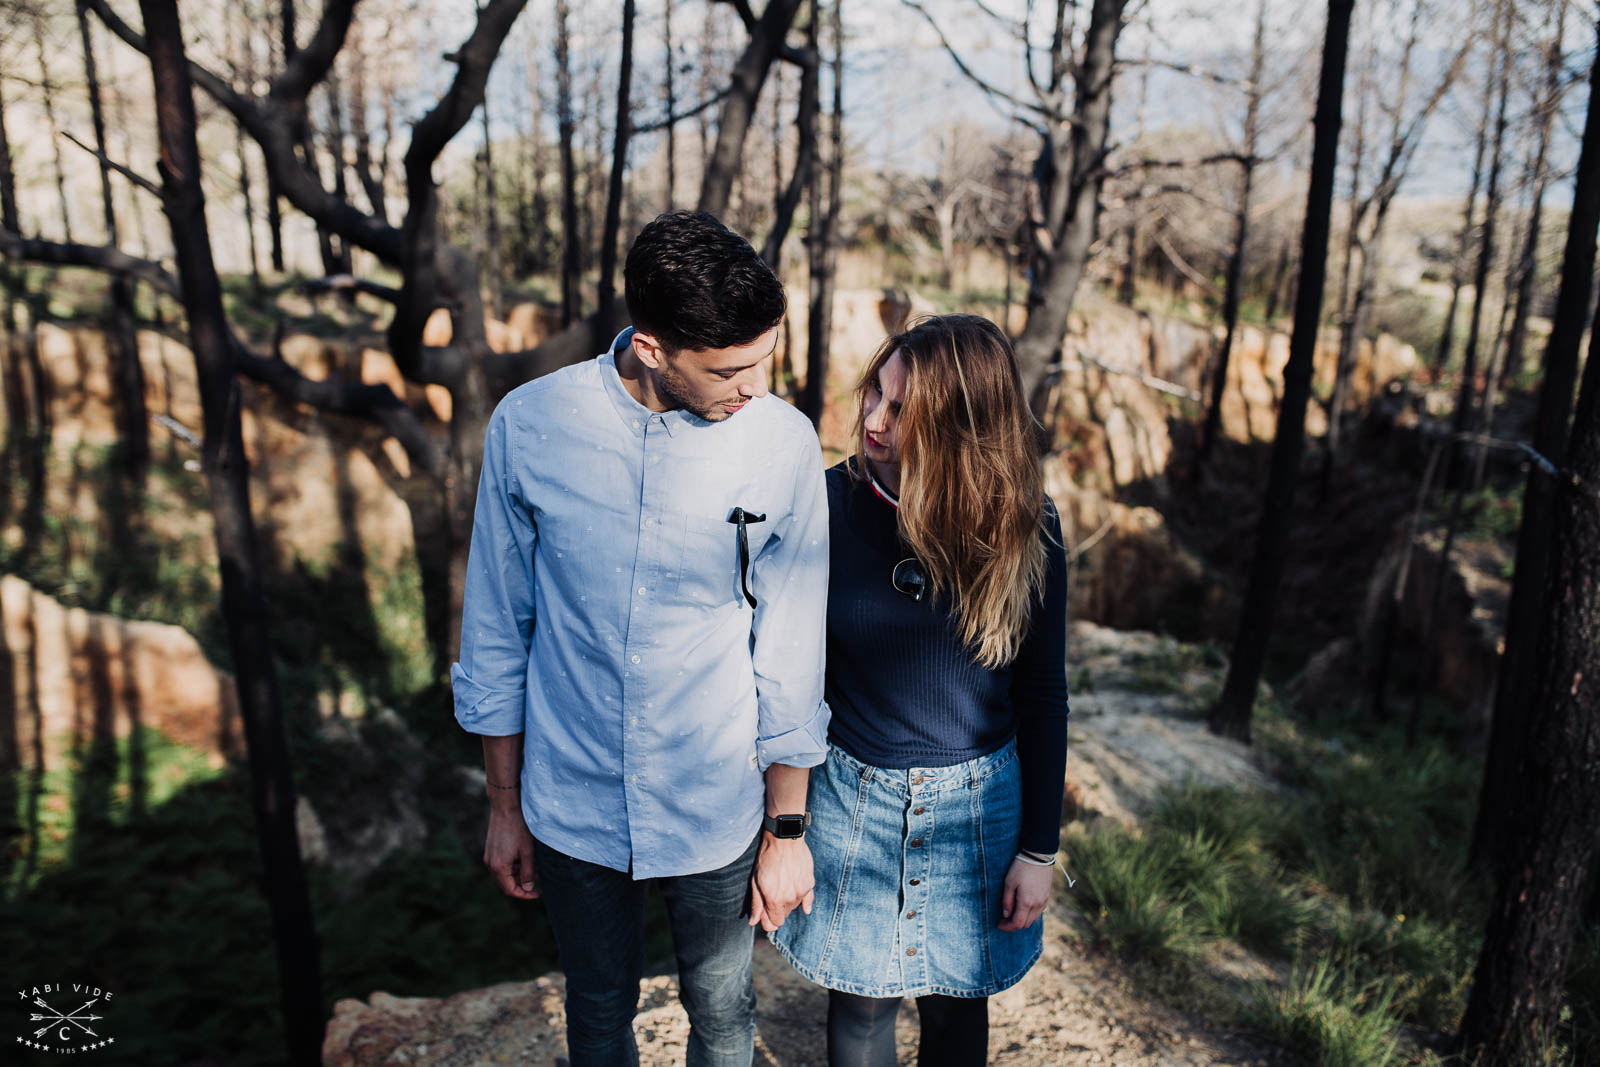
x,y
1054,861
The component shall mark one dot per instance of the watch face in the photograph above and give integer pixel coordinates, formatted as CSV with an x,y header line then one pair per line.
x,y
789,826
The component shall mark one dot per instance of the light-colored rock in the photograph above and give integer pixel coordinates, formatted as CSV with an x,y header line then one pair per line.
x,y
1137,724
77,675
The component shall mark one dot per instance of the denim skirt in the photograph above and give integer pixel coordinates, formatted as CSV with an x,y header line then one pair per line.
x,y
910,867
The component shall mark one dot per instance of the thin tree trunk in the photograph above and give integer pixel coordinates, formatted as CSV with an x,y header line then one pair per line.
x,y
571,299
669,90
1465,398
491,220
47,97
1528,264
227,475
1514,1009
334,139
1241,234
1494,826
246,48
619,162
1353,246
1464,238
121,330
1231,717
9,218
821,242
371,180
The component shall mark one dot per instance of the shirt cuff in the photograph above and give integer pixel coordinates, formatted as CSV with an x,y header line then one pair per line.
x,y
485,711
804,746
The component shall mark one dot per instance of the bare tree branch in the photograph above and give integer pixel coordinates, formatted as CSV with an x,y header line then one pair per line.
x,y
309,65
1186,68
126,171
349,283
663,123
244,108
1179,164
99,257
746,16
375,403
270,129
1050,114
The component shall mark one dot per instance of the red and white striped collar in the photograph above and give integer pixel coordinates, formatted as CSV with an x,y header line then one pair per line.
x,y
883,494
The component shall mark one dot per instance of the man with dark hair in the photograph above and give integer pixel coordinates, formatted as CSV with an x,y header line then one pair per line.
x,y
642,641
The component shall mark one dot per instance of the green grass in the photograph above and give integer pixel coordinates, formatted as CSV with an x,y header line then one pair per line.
x,y
1328,1017
1350,877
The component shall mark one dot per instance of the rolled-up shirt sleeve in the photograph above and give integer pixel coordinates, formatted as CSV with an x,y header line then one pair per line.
x,y
790,580
489,682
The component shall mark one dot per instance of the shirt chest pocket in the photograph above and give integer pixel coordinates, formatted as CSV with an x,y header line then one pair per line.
x,y
709,564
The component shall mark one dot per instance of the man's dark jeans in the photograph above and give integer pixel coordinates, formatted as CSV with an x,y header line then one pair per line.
x,y
598,917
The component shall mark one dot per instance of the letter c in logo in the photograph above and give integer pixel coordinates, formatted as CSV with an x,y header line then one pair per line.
x,y
63,1034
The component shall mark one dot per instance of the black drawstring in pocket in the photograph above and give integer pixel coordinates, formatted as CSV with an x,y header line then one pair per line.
x,y
739,516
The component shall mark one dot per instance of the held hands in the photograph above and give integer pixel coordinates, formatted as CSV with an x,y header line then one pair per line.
x,y
782,882
508,853
1026,892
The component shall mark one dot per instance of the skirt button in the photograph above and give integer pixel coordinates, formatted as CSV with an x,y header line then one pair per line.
x,y
911,952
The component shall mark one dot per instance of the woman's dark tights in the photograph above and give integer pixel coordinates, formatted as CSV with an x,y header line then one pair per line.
x,y
955,1031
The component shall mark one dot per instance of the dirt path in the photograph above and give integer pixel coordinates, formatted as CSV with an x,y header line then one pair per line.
x,y
1133,733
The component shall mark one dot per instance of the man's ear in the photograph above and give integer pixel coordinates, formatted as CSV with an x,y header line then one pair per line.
x,y
651,352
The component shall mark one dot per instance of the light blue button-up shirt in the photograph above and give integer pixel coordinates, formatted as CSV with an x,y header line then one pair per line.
x,y
604,619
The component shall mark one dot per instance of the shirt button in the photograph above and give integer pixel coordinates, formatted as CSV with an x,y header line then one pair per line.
x,y
918,811
635,659
916,842
641,590
911,952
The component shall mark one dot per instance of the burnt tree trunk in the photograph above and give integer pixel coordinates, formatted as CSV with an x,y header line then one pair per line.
x,y
571,240
821,239
1241,234
47,96
227,476
767,35
1528,607
121,328
619,162
670,98
1528,264
1465,397
245,49
1464,237
1231,716
1513,1012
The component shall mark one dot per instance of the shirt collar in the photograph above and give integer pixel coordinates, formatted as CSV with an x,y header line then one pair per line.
x,y
635,416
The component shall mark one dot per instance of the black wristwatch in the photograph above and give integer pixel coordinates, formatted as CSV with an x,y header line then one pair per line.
x,y
786,826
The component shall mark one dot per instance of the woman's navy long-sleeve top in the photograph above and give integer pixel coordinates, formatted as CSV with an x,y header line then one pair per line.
x,y
904,689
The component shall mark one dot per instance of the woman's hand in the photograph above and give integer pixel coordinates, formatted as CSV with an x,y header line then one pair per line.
x,y
1026,892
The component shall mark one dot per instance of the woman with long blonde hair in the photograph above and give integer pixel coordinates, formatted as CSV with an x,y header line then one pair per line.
x,y
936,816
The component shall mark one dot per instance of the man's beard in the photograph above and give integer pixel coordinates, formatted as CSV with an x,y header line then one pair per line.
x,y
672,386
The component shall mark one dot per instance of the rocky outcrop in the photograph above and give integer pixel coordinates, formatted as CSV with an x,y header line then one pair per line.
x,y
1473,596
1128,570
77,676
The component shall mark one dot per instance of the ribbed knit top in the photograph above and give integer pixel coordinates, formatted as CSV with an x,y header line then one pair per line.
x,y
905,691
